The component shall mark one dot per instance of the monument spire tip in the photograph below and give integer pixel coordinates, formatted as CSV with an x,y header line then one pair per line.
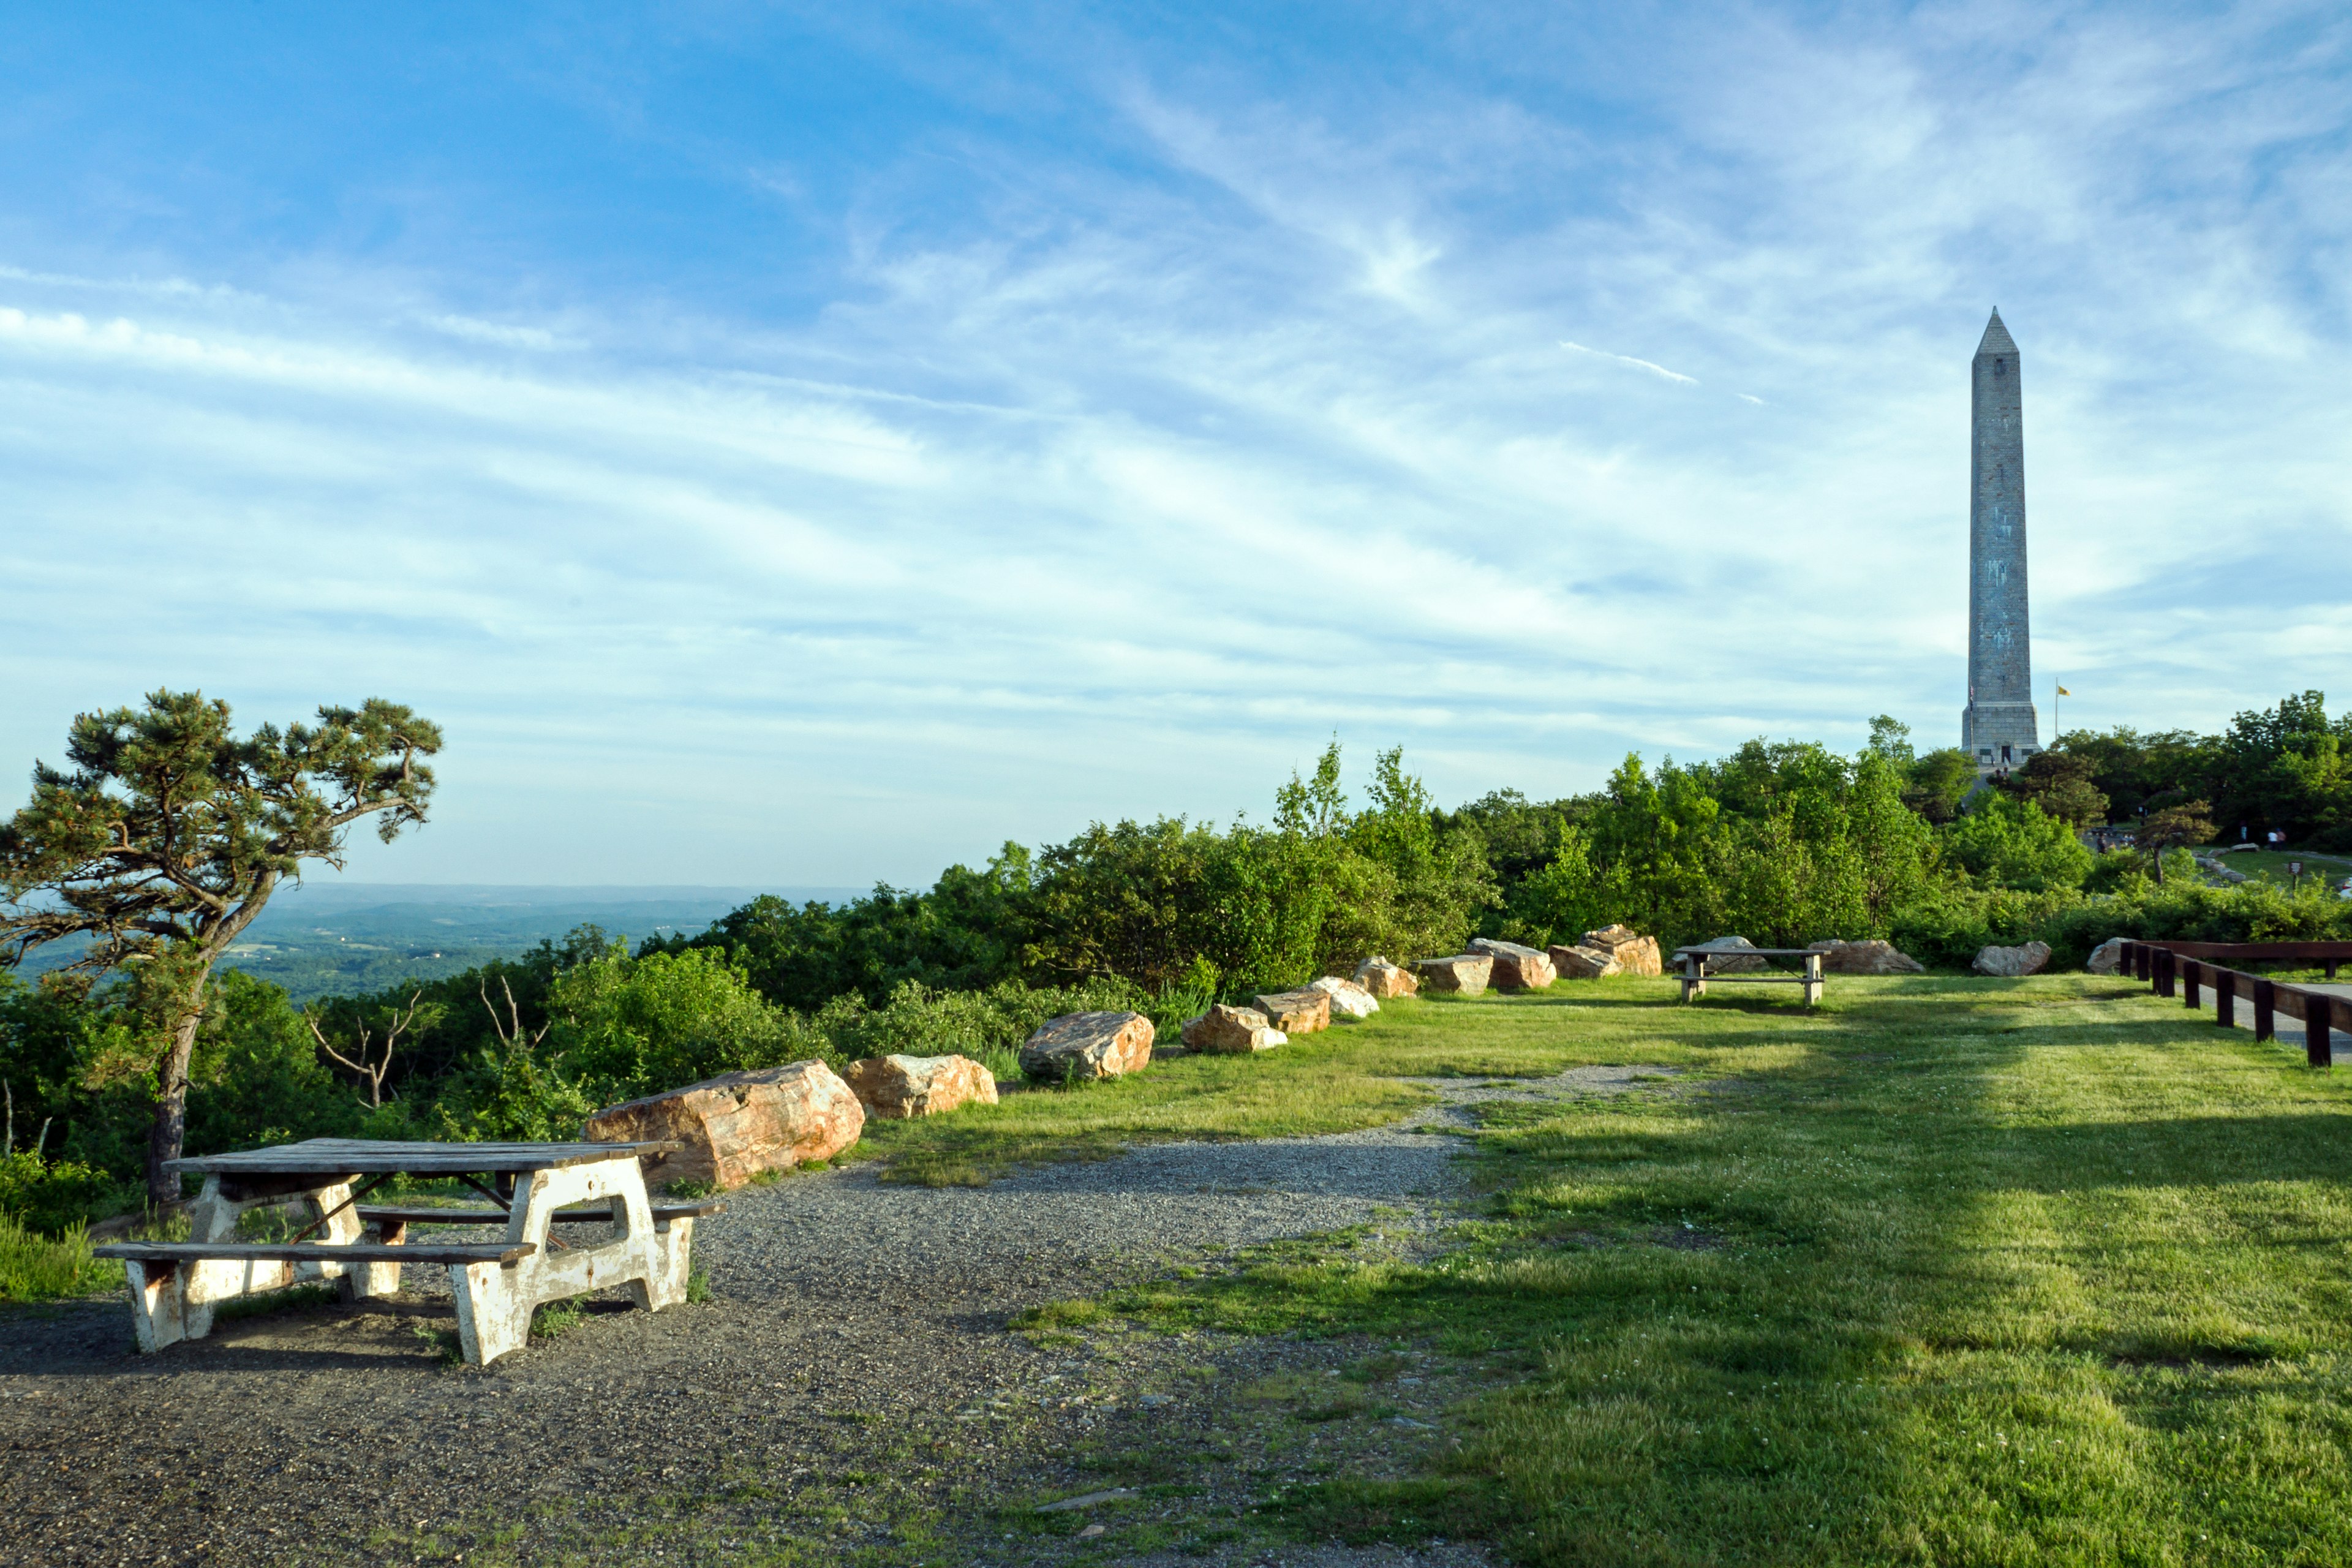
x,y
1996,340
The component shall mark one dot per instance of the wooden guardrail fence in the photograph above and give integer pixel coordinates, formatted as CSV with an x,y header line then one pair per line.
x,y
2171,968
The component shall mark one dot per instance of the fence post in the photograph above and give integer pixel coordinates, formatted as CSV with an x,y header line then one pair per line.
x,y
2141,959
2316,1048
2167,968
2225,998
2191,971
2265,1009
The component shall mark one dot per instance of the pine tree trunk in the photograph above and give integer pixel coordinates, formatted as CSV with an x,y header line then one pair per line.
x,y
169,1132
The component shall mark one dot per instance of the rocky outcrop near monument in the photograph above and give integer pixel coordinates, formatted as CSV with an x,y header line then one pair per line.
x,y
1301,1012
1385,979
1872,957
1465,972
1581,962
1349,1000
1636,954
740,1124
2011,962
2107,958
1232,1031
897,1088
1087,1045
1516,968
1729,946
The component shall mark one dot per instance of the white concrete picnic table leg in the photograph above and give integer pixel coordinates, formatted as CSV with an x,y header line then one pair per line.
x,y
174,1301
495,1301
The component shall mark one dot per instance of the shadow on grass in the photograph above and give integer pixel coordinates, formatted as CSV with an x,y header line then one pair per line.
x,y
1954,1245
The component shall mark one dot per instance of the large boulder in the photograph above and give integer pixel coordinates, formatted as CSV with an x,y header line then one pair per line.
x,y
2011,962
1465,972
1516,968
1088,1045
1385,979
1872,957
1232,1031
1636,954
1729,946
1348,998
738,1125
903,1087
1295,1013
1581,962
2106,958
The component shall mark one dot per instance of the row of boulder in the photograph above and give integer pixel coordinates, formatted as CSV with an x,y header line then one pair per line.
x,y
736,1126
1510,966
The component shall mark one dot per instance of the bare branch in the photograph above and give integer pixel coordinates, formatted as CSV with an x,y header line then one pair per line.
x,y
510,1032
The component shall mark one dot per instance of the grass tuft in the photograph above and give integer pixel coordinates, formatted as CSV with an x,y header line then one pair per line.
x,y
37,1268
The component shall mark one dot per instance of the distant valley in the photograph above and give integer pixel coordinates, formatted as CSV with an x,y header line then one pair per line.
x,y
326,939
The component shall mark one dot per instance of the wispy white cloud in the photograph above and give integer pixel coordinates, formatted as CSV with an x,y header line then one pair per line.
x,y
1126,487
1657,370
497,335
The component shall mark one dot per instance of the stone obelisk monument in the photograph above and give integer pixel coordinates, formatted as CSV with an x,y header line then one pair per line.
x,y
1999,728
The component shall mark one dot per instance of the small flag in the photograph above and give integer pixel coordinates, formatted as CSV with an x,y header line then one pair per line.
x,y
2063,693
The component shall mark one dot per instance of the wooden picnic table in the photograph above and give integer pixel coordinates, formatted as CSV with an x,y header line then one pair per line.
x,y
1694,975
176,1285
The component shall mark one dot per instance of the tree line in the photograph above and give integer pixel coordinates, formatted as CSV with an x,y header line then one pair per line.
x,y
168,830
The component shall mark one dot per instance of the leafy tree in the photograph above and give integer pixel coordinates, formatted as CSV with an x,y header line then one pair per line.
x,y
2013,843
1939,782
1515,836
966,931
2140,773
1439,873
2060,784
168,836
2170,828
1890,741
2287,769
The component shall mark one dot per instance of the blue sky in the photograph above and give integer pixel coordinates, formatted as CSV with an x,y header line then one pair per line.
x,y
784,446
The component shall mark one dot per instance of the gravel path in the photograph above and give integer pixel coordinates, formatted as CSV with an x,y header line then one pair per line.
x,y
1157,1205
854,1348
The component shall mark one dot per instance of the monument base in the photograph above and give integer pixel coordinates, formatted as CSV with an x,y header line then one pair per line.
x,y
1998,736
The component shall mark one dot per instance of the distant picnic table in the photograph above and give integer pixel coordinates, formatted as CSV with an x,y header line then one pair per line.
x,y
1695,973
176,1285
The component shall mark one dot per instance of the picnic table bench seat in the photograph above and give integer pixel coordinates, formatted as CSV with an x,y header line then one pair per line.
x,y
371,1213
314,1251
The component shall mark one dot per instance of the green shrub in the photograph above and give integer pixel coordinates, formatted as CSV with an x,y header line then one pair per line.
x,y
37,1268
54,1196
2185,911
986,1026
2012,843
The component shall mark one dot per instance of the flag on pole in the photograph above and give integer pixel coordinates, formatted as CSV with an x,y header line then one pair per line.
x,y
2063,693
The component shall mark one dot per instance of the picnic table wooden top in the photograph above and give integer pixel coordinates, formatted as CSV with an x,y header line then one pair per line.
x,y
366,1156
1702,950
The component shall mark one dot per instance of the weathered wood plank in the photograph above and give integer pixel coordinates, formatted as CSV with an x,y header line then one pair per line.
x,y
663,1213
360,1156
1747,952
2261,952
312,1252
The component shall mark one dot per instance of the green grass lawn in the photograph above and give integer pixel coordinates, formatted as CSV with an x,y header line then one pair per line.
x,y
2264,866
1947,1271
